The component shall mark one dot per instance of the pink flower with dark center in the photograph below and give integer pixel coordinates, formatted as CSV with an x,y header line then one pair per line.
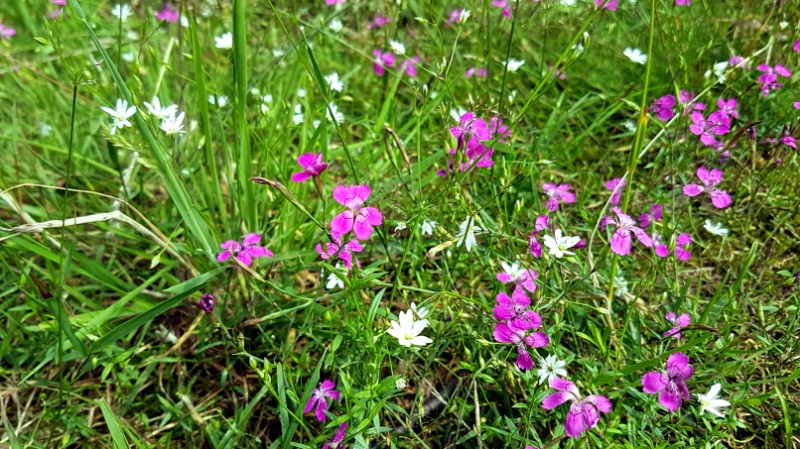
x,y
343,252
610,5
381,61
207,303
516,333
616,191
718,123
655,214
621,241
312,166
168,14
557,193
710,179
497,129
356,218
672,385
687,100
379,21
410,66
469,125
533,242
6,32
583,413
728,107
472,71
514,309
522,277
245,251
678,323
319,399
334,442
662,107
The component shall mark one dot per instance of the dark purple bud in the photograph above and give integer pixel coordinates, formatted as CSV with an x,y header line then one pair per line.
x,y
797,275
751,133
207,303
448,318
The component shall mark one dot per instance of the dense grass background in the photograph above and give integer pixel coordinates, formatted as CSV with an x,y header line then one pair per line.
x,y
102,341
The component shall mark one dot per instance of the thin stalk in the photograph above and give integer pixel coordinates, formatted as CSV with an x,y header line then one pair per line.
x,y
244,168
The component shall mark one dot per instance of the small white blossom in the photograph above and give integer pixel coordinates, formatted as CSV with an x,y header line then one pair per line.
x,y
635,55
220,100
184,21
334,281
407,331
128,56
620,284
122,11
120,114
514,271
301,93
44,129
462,18
172,124
428,226
550,367
397,47
158,112
335,25
560,245
718,71
715,228
298,118
420,311
710,403
514,64
401,225
400,383
224,42
466,233
333,114
333,81
630,125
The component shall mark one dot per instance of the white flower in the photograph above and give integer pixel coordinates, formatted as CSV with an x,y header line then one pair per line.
x,y
400,383
297,117
514,64
158,112
172,124
333,280
428,226
301,93
266,100
400,226
225,41
333,81
420,311
550,367
715,228
710,403
514,270
184,21
128,56
333,113
630,125
335,25
121,12
407,331
466,233
397,47
568,2
620,284
277,52
635,55
220,100
44,129
120,114
462,18
718,71
560,244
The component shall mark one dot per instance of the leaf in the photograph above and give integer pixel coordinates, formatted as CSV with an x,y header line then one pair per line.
x,y
120,442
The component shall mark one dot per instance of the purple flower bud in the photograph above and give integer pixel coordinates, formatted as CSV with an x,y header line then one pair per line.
x,y
207,303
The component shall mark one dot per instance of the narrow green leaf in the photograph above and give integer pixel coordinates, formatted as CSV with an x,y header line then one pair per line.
x,y
120,442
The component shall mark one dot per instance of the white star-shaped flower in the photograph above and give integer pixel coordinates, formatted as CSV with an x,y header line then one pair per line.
x,y
407,331
550,367
397,47
333,81
158,112
466,233
560,244
121,12
709,402
173,124
120,114
514,64
715,228
224,42
428,226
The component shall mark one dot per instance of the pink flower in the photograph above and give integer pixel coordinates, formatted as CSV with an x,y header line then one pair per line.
x,y
583,412
54,14
681,243
516,333
454,16
796,46
533,242
557,73
343,252
409,65
522,277
606,4
720,199
769,79
672,385
497,128
788,141
469,125
358,219
169,14
333,2
503,4
683,2
557,193
245,251
59,2
655,214
514,310
736,61
312,166
687,100
334,442
718,123
662,107
612,185
379,21
381,61
728,107
797,103
472,71
319,399
6,32
678,323
621,240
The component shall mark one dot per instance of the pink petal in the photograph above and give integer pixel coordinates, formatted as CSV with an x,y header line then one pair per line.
x,y
621,242
342,224
671,400
504,277
252,238
720,199
524,361
307,160
692,189
374,216
322,407
574,426
311,401
662,251
601,402
362,228
229,244
684,320
223,256
552,401
654,382
244,258
537,340
503,334
535,246
257,251
552,204
300,176
541,223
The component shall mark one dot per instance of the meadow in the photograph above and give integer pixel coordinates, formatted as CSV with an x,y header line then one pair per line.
x,y
399,224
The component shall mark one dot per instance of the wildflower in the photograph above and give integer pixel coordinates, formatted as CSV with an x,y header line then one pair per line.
x,y
122,11
332,80
769,79
715,228
297,117
503,4
381,61
557,73
512,65
718,123
687,100
401,225
359,219
469,125
522,277
681,243
332,114
419,311
159,113
480,71
207,303
728,107
428,226
397,47
683,2
583,412
168,14
409,66
558,193
655,214
615,185
709,179
466,233
407,331
319,399
533,244
379,21
550,368
718,71
344,252
516,333
559,244
219,100
334,442
173,125
709,402
400,383
621,239
514,309
225,41
120,115
6,32
671,386
333,280
789,141
678,323
312,166
662,107
245,251
44,129
610,5
333,2
635,55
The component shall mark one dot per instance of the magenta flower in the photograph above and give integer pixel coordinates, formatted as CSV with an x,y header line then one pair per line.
x,y
477,154
737,61
514,310
410,66
498,129
557,73
683,2
583,412
611,5
621,240
381,61
319,399
379,21
59,2
718,123
533,242
710,179
343,252
472,71
516,333
788,141
358,219
334,442
169,14
207,303
672,385
612,185
678,323
312,166
769,79
681,243
557,193
796,46
245,251
55,14
662,107
728,107
655,214
469,125
6,32
503,4
454,16
687,100
521,277
333,2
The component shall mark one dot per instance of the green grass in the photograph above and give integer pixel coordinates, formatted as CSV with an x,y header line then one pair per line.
x,y
103,344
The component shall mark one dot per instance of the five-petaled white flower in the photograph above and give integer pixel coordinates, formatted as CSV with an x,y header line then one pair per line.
x,y
715,228
466,233
407,331
397,47
120,114
121,11
335,25
225,41
560,244
635,55
428,226
514,271
401,225
334,280
549,368
514,64
173,124
158,112
420,311
711,403
333,81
